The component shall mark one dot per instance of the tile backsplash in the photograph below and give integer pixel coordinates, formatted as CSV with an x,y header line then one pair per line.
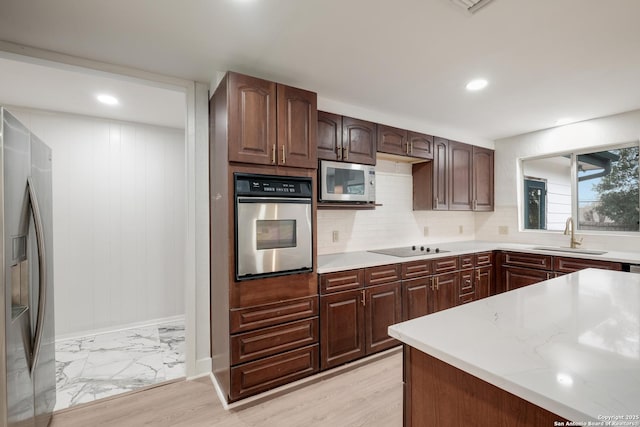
x,y
392,224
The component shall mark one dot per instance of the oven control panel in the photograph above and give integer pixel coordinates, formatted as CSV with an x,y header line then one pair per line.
x,y
274,186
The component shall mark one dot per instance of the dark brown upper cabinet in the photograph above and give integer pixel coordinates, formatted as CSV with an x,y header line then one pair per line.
x,y
270,123
440,178
404,143
346,139
329,136
483,194
460,174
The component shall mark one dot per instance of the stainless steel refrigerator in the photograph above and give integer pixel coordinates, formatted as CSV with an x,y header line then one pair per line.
x,y
27,348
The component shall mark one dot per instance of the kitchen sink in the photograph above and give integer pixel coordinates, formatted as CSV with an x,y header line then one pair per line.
x,y
569,250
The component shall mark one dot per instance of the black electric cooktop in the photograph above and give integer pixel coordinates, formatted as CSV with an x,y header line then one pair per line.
x,y
407,251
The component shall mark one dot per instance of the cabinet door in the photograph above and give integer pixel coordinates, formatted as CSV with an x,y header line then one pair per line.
x,y
420,145
467,292
415,297
444,293
485,285
329,136
440,176
252,119
297,127
358,141
482,179
569,265
515,277
392,140
460,176
383,308
341,328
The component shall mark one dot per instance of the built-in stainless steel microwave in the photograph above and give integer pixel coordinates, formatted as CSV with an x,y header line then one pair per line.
x,y
347,182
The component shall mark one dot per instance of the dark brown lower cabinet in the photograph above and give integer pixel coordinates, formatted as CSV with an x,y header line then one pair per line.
x,y
443,291
354,323
383,308
341,328
516,277
485,283
415,294
264,374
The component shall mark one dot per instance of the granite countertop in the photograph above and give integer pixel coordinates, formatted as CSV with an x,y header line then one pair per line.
x,y
570,344
352,260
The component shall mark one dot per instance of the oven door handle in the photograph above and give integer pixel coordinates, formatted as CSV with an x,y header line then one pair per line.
x,y
293,200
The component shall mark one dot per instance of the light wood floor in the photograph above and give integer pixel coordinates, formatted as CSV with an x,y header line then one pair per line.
x,y
369,395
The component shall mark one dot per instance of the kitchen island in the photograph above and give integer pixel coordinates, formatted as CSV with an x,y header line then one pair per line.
x,y
565,351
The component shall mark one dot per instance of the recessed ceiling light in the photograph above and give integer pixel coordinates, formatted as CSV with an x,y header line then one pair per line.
x,y
477,84
564,121
108,99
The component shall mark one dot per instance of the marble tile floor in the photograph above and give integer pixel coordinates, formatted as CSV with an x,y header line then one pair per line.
x,y
103,365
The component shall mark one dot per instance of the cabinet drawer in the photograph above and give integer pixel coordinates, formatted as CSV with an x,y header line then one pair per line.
x,y
414,269
542,262
484,259
443,265
569,265
516,277
276,339
265,374
341,281
467,282
382,274
247,319
467,261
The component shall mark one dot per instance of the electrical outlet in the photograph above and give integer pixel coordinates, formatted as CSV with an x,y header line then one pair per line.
x,y
503,229
460,229
425,231
335,236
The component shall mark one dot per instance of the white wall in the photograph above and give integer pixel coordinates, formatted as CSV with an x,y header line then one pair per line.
x,y
617,129
119,220
394,223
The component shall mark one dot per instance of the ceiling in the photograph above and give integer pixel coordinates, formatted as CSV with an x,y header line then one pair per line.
x,y
544,59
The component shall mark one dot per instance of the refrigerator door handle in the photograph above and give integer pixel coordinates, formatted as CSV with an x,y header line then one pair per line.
x,y
42,269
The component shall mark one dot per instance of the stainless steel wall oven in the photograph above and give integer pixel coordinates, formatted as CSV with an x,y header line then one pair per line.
x,y
273,225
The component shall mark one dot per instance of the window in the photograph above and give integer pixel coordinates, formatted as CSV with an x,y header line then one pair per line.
x,y
599,189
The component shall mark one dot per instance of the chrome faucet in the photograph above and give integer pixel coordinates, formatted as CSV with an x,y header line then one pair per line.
x,y
568,229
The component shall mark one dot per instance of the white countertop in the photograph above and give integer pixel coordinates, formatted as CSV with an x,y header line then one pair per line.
x,y
352,260
570,345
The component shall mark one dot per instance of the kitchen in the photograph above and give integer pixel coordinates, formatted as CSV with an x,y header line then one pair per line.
x,y
395,224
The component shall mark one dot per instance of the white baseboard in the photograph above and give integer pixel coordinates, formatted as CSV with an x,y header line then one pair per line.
x,y
116,328
203,368
219,392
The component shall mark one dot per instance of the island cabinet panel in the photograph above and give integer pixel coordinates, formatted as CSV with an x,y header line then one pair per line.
x,y
270,372
252,119
358,141
383,308
382,274
342,330
438,394
569,265
276,339
341,281
415,296
516,277
460,170
329,136
443,291
247,319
